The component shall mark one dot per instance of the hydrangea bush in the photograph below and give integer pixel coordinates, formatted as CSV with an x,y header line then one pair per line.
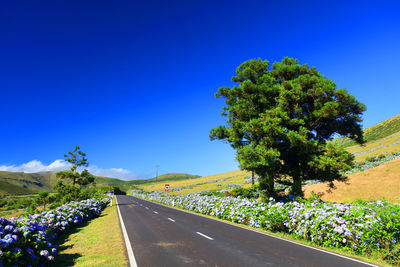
x,y
26,240
365,165
361,227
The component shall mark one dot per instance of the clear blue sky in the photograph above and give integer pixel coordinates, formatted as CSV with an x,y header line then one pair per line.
x,y
133,82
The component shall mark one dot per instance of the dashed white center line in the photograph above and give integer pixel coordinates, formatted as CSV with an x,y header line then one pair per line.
x,y
155,212
147,208
203,235
172,220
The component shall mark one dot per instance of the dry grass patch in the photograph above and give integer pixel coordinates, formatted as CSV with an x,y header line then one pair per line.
x,y
96,243
382,182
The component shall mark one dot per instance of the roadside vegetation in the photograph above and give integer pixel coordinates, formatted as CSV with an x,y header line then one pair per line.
x,y
90,243
362,228
29,239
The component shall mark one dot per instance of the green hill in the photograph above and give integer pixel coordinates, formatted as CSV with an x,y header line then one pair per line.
x,y
19,183
382,138
166,177
6,188
379,131
16,183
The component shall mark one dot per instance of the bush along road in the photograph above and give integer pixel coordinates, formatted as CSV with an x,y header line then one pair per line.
x,y
362,228
163,236
26,240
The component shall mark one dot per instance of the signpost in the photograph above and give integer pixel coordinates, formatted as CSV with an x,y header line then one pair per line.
x,y
166,187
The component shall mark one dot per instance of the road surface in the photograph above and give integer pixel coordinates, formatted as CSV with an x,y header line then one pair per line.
x,y
162,236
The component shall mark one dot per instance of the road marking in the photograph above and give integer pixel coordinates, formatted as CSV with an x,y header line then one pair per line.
x,y
172,220
263,233
155,212
203,235
132,261
147,208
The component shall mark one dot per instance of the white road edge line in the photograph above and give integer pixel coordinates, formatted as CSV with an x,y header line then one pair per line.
x,y
172,220
128,245
155,212
203,235
277,237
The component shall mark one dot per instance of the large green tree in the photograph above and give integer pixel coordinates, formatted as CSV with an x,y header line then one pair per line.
x,y
77,159
280,119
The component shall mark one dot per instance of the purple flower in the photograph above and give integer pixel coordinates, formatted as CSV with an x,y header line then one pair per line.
x,y
8,227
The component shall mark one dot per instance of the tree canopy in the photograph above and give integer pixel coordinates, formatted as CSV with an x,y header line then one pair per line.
x,y
280,119
78,159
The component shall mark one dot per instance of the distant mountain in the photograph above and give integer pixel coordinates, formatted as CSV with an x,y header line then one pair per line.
x,y
19,183
25,183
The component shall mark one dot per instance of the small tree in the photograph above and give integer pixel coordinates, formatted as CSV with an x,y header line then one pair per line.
x,y
280,120
78,159
42,198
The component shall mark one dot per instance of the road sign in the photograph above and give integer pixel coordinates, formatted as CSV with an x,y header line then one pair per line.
x,y
166,187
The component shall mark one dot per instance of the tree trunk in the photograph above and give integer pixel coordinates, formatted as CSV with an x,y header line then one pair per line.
x,y
252,177
296,187
267,183
271,189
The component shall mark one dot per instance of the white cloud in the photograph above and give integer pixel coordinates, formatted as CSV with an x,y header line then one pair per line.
x,y
59,165
112,172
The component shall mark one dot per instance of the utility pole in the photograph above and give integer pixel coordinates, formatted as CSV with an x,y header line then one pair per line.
x,y
156,172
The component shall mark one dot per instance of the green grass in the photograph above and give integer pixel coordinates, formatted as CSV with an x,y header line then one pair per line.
x,y
14,183
7,188
5,213
98,242
376,132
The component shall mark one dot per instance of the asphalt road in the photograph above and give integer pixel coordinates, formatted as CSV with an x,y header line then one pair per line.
x,y
162,236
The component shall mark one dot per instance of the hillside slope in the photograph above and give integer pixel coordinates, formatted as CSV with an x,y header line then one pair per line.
x,y
375,132
382,182
382,138
211,182
26,183
18,183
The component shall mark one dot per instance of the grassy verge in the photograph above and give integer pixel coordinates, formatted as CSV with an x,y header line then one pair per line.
x,y
373,258
11,213
95,243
